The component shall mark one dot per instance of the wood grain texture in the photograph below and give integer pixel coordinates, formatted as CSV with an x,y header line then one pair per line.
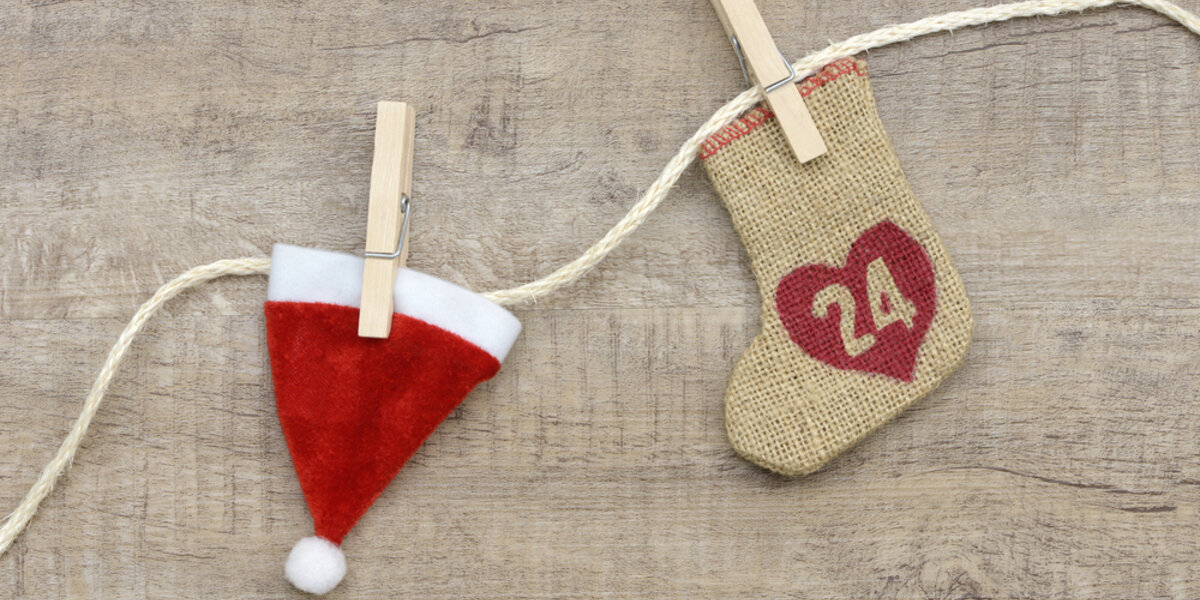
x,y
1058,157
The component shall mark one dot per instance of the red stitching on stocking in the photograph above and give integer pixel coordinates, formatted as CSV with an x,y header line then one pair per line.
x,y
751,120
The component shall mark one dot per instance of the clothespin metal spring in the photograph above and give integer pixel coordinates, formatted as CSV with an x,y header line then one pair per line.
x,y
405,207
737,49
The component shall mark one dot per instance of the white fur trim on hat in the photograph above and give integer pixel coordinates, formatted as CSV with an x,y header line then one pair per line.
x,y
307,275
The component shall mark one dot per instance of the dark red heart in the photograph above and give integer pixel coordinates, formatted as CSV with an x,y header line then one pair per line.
x,y
888,350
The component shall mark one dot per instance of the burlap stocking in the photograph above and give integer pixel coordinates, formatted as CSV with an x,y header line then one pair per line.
x,y
862,311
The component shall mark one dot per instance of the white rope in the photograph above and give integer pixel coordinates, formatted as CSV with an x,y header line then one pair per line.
x,y
808,65
19,518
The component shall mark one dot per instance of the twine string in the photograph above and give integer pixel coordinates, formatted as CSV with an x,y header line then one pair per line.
x,y
808,65
16,521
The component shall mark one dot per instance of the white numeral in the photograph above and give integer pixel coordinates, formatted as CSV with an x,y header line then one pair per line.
x,y
880,285
880,282
840,295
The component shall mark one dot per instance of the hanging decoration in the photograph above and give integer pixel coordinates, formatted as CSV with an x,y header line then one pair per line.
x,y
863,312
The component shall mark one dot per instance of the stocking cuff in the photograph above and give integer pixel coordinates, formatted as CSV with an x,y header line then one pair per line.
x,y
307,275
761,114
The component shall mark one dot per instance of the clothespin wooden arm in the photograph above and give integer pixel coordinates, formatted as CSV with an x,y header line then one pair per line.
x,y
761,59
388,215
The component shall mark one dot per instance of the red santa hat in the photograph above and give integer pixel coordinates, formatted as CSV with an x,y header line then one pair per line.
x,y
354,409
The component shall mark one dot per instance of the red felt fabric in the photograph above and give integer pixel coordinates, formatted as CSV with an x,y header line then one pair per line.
x,y
895,351
355,409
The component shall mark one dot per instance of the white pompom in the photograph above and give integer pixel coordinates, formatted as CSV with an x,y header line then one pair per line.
x,y
315,565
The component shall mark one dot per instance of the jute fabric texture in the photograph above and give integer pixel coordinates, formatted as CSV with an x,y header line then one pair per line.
x,y
863,312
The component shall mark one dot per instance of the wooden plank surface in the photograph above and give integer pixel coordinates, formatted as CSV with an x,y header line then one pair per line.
x,y
1058,157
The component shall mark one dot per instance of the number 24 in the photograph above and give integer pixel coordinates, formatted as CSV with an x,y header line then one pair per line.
x,y
880,285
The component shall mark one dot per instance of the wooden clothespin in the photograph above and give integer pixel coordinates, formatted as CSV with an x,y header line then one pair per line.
x,y
388,214
762,60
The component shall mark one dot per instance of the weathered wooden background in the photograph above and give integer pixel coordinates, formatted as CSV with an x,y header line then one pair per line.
x,y
1059,158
